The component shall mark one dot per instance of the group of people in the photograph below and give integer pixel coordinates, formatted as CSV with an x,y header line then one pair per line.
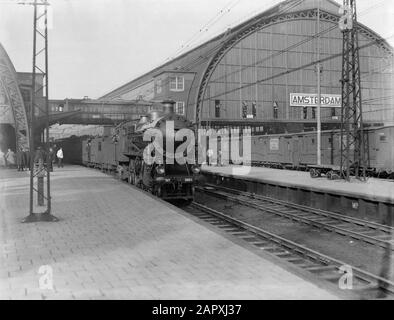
x,y
22,158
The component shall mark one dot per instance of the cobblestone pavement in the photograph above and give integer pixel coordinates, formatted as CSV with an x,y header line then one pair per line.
x,y
115,242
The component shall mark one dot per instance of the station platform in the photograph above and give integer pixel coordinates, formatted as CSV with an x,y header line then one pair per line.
x,y
114,241
373,198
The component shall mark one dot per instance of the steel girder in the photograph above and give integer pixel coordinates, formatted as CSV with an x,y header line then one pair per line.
x,y
15,102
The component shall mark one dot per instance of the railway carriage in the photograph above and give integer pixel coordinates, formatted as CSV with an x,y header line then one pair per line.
x,y
297,151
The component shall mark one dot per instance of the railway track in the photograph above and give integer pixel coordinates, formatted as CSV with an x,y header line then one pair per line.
x,y
369,232
364,284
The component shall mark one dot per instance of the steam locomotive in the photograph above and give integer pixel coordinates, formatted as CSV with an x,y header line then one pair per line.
x,y
122,149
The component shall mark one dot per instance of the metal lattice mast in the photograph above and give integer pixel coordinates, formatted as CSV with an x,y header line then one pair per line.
x,y
40,65
353,142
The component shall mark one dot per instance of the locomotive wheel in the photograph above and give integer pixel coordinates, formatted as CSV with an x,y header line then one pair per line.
x,y
315,173
156,191
330,175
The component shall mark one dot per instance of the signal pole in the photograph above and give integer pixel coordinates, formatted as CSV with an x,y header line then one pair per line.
x,y
40,64
354,146
319,70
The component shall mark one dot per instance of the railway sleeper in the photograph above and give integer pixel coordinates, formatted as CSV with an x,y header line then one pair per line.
x,y
370,233
277,251
331,277
300,262
249,238
230,229
269,248
238,233
370,286
321,268
258,243
384,237
284,254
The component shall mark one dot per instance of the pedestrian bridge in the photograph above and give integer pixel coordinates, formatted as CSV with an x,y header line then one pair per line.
x,y
95,112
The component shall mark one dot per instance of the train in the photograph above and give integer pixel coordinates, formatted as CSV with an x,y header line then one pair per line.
x,y
121,150
298,151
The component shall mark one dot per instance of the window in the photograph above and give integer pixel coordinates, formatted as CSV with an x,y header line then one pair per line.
x,y
99,146
217,108
244,109
61,106
314,113
254,109
275,110
180,107
333,112
158,86
177,83
305,113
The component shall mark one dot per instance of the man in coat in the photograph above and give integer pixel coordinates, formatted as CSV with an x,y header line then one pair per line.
x,y
10,158
2,159
50,159
39,155
19,160
59,155
26,158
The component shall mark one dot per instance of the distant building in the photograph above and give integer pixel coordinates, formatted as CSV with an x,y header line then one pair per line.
x,y
262,74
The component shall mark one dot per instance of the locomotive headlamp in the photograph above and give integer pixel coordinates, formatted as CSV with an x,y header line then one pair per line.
x,y
196,169
160,169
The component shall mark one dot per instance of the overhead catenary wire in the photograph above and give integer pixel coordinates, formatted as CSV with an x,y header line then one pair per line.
x,y
202,59
205,28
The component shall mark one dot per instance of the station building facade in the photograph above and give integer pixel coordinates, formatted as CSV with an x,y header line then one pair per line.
x,y
262,73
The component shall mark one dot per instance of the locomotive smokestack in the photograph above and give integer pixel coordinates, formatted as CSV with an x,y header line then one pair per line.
x,y
143,119
153,115
168,106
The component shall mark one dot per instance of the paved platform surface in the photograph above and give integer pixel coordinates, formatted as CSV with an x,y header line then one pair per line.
x,y
116,242
374,188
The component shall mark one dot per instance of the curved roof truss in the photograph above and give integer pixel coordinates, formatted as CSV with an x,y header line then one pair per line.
x,y
14,100
310,14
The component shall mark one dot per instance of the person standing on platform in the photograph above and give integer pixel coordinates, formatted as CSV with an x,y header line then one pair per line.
x,y
210,155
219,158
19,159
10,158
2,159
59,155
50,159
26,158
39,156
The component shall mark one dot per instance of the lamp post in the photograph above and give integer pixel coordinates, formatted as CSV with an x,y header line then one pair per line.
x,y
318,70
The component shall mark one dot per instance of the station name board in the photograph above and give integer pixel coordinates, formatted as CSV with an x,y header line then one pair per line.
x,y
311,100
